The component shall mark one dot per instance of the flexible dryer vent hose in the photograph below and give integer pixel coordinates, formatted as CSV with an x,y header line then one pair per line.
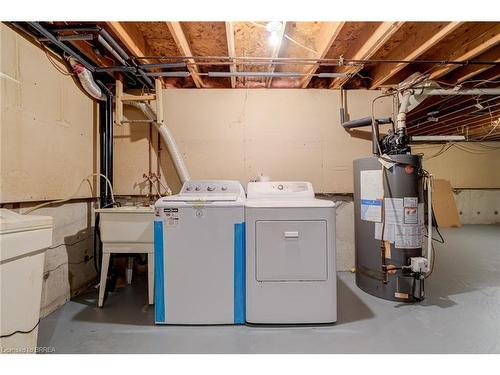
x,y
93,89
168,138
86,80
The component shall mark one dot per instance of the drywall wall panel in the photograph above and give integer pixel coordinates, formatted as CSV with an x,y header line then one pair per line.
x,y
474,169
48,126
131,158
239,134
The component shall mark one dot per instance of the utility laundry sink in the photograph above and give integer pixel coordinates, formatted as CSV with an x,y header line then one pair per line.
x,y
132,224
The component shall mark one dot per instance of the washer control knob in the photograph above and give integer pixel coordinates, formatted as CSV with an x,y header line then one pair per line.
x,y
224,188
210,188
189,188
197,188
280,187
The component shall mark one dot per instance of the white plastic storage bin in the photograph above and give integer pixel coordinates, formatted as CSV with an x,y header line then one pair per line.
x,y
23,240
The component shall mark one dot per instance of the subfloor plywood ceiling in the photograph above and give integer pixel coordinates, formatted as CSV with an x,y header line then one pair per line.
x,y
309,55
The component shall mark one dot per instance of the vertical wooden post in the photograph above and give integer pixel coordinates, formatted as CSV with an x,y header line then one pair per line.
x,y
159,101
118,103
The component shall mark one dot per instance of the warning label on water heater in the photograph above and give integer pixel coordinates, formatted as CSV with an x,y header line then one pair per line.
x,y
403,218
410,210
372,193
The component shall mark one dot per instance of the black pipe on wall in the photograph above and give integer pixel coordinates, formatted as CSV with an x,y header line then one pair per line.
x,y
109,140
106,143
105,165
102,153
365,121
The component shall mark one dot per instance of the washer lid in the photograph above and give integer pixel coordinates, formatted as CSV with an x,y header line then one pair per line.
x,y
11,222
201,198
218,192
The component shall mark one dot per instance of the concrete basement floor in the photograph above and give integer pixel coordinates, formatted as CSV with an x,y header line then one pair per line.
x,y
460,315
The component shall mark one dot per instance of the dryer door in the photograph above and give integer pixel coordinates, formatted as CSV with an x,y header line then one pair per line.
x,y
288,250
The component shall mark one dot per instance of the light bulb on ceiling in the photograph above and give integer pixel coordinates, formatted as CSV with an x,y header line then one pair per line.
x,y
274,27
274,39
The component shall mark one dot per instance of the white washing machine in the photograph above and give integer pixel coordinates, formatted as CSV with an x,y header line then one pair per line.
x,y
199,239
290,254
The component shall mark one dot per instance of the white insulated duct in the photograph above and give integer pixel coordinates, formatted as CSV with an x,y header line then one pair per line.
x,y
93,89
168,138
403,108
86,80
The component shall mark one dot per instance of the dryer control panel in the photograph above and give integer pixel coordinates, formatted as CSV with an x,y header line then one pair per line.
x,y
280,189
212,187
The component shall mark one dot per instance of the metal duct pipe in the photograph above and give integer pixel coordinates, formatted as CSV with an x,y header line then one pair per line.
x,y
169,74
255,74
437,138
61,45
106,45
71,37
365,121
113,43
168,138
375,138
118,50
106,69
164,65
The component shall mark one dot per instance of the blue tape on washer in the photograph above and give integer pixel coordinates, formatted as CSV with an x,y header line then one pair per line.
x,y
371,202
159,273
239,273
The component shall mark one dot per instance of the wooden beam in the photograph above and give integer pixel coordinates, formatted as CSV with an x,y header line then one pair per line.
x,y
118,102
137,98
482,44
159,101
129,36
231,50
410,49
132,38
324,40
275,52
454,118
175,29
468,72
381,35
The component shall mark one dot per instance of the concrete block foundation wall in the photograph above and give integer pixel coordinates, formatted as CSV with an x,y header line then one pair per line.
x,y
478,206
69,264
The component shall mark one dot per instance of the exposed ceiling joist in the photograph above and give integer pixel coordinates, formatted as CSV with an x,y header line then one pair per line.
x,y
410,49
131,38
468,72
464,53
460,116
276,51
231,50
327,35
177,33
381,35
